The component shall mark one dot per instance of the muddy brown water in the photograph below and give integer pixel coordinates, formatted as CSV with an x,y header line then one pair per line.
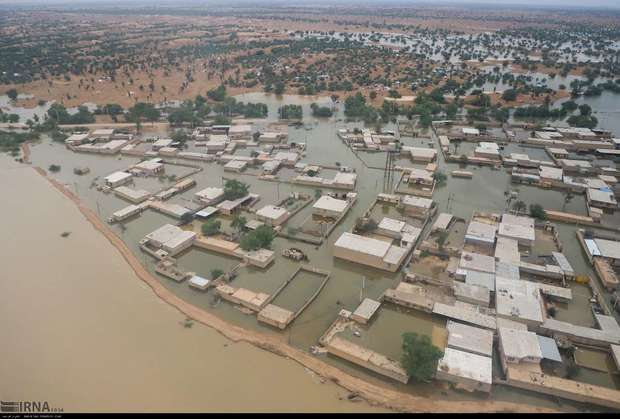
x,y
82,332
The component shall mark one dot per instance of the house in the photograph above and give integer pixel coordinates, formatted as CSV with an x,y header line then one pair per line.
x,y
464,337
235,166
368,251
209,196
117,179
132,195
287,158
344,180
420,177
272,137
76,139
103,134
518,346
481,233
242,132
161,143
273,215
487,151
152,167
419,154
271,166
416,206
519,228
601,198
326,206
468,371
365,311
443,221
470,132
170,238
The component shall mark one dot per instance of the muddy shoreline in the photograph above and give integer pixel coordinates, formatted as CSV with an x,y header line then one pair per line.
x,y
375,395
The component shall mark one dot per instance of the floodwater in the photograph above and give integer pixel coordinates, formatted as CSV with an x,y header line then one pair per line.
x,y
349,282
83,333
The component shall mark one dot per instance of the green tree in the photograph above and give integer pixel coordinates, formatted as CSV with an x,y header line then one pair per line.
x,y
441,238
216,273
261,238
238,222
211,227
537,211
420,356
234,189
509,95
12,94
440,177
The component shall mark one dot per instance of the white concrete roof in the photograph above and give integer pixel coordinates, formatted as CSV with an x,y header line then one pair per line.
x,y
199,281
466,313
367,308
163,142
467,365
517,227
507,270
477,262
507,249
326,202
345,178
469,338
416,201
241,128
390,224
476,293
363,244
518,300
152,164
135,194
125,211
210,193
608,248
601,196
548,172
480,231
443,221
421,152
236,164
519,343
206,212
481,279
271,212
117,176
470,131
103,131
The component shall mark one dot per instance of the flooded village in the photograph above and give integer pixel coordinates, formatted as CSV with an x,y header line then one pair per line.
x,y
338,239
414,208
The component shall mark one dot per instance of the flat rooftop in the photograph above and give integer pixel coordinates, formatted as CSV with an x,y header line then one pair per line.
x,y
469,338
361,244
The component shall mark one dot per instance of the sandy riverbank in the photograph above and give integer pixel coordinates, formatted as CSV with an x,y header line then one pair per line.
x,y
375,394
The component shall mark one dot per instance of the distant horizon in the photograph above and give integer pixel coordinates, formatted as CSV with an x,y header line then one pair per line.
x,y
534,4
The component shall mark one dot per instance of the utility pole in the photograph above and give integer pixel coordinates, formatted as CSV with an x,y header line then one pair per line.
x,y
362,288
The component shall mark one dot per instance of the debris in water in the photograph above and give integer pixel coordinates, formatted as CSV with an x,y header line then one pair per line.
x,y
65,234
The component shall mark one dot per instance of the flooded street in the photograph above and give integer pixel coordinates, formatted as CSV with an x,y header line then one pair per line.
x,y
82,332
